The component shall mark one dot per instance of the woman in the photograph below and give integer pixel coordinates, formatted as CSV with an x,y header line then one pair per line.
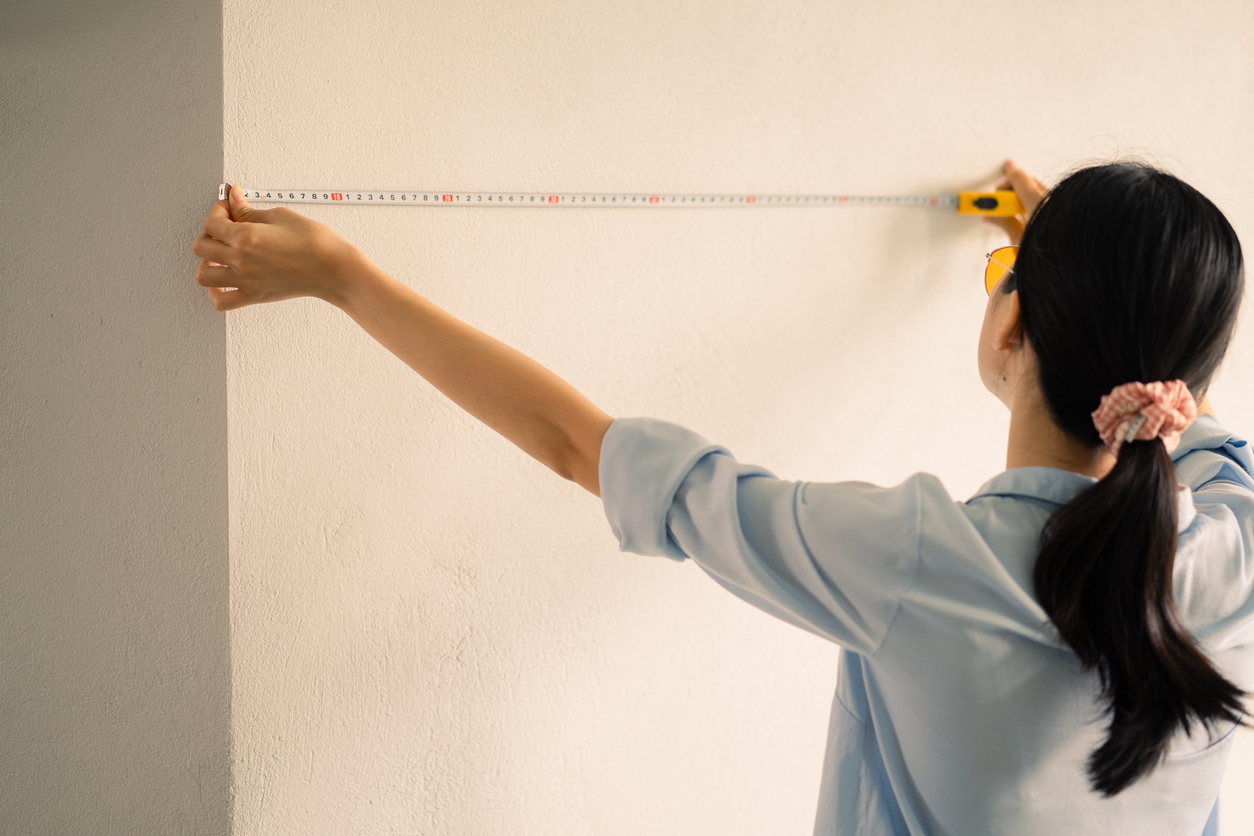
x,y
1065,652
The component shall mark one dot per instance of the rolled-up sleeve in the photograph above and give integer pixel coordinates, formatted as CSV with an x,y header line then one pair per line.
x,y
1208,453
1219,468
830,558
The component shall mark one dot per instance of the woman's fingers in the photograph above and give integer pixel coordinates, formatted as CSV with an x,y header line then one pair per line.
x,y
218,222
218,280
226,221
1030,190
229,298
214,250
209,274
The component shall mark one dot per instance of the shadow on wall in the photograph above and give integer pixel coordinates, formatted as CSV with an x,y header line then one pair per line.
x,y
27,21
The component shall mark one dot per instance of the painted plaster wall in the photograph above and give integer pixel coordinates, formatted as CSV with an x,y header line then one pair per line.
x,y
113,492
430,633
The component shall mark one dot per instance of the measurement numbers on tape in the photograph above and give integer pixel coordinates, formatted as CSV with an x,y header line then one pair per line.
x,y
973,203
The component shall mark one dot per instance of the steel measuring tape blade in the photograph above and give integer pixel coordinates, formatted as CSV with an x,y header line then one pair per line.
x,y
974,203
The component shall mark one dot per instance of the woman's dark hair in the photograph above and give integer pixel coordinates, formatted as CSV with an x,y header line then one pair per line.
x,y
1126,273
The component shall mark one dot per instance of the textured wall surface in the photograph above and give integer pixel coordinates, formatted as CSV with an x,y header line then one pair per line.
x,y
432,634
113,495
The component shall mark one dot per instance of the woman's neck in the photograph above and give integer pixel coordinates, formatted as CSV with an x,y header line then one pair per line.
x,y
1036,441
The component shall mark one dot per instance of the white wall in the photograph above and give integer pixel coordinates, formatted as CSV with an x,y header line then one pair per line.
x,y
113,486
430,633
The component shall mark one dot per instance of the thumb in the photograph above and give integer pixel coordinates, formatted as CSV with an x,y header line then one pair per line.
x,y
1019,179
241,211
1028,188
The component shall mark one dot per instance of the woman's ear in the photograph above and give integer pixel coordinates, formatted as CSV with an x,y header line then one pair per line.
x,y
1008,327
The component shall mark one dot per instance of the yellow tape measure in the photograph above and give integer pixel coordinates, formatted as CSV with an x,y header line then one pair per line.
x,y
996,204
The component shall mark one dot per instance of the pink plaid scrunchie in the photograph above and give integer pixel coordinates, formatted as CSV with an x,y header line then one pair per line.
x,y
1143,411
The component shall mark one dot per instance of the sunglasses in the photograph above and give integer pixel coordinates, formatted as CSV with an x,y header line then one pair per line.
x,y
1000,262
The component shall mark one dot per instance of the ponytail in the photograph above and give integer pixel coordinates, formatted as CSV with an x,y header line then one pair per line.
x,y
1125,274
1104,576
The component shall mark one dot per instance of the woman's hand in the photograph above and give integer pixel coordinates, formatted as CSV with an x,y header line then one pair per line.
x,y
1030,191
253,255
263,255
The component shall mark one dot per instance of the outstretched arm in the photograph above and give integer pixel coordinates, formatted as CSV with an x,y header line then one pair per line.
x,y
251,256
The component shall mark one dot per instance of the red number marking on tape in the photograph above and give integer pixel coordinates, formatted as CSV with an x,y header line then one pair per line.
x,y
751,199
552,198
337,196
653,200
448,198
